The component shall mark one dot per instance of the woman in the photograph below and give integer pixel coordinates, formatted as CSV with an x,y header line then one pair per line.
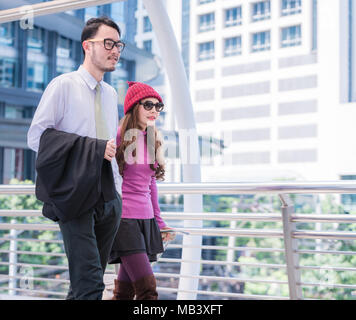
x,y
140,161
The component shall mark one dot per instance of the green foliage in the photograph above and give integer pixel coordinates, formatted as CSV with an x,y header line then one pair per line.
x,y
303,204
29,202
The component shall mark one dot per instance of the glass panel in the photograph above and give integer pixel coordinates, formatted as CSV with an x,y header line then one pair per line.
x,y
233,17
36,76
8,72
147,45
206,51
261,10
7,34
64,47
291,36
13,164
147,26
291,7
232,46
17,112
35,40
261,41
206,22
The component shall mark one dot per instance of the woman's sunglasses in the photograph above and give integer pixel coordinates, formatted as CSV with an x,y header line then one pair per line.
x,y
148,105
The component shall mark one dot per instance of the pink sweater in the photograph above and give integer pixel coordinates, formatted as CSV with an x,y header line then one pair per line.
x,y
139,189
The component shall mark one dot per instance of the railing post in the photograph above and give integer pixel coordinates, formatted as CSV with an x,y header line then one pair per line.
x,y
13,260
290,247
192,203
231,242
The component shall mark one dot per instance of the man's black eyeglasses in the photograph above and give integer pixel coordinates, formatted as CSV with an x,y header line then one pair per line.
x,y
109,44
148,105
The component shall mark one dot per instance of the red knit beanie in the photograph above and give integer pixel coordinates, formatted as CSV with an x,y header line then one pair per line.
x,y
136,92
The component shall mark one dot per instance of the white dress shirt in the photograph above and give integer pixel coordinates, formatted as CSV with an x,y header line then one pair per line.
x,y
67,104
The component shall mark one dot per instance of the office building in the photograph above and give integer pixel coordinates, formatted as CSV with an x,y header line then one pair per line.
x,y
32,55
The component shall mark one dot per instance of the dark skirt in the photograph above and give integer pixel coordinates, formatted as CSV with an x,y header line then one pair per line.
x,y
136,236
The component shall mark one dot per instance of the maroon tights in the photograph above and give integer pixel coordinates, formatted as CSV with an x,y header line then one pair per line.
x,y
134,267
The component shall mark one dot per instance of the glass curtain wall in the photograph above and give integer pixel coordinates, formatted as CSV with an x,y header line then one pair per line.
x,y
8,56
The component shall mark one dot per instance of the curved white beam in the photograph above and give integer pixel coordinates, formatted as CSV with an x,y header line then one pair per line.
x,y
183,110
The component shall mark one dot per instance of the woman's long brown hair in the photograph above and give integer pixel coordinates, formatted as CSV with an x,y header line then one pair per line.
x,y
130,121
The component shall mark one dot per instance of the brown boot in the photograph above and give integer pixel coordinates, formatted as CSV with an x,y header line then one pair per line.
x,y
145,288
123,290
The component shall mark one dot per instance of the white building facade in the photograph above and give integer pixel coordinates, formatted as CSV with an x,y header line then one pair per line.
x,y
275,79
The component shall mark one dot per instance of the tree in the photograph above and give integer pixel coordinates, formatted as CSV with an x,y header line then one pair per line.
x,y
29,202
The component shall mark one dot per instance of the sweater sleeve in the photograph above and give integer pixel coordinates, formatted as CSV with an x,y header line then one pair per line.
x,y
155,205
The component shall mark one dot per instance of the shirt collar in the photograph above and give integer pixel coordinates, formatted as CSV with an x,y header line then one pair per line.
x,y
88,78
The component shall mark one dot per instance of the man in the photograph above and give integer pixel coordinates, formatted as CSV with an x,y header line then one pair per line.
x,y
81,104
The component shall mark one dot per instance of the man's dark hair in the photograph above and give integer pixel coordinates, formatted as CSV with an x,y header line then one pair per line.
x,y
92,26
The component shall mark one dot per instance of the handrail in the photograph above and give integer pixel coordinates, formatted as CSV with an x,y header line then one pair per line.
x,y
216,216
286,218
300,187
258,233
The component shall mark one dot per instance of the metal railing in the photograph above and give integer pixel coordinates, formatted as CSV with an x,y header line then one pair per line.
x,y
223,272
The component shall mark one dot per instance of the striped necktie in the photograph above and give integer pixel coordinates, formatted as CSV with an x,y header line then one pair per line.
x,y
101,129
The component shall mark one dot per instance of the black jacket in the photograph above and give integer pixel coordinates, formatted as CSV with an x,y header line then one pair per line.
x,y
72,174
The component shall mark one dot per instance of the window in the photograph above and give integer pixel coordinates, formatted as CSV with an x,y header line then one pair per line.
x,y
261,10
261,41
36,39
291,36
205,1
37,60
232,46
291,7
147,26
17,112
64,47
207,22
147,45
65,53
8,72
7,34
36,76
13,164
206,51
233,17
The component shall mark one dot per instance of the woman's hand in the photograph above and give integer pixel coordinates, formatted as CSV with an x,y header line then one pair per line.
x,y
167,235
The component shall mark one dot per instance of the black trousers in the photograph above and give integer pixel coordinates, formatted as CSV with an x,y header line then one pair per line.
x,y
88,241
